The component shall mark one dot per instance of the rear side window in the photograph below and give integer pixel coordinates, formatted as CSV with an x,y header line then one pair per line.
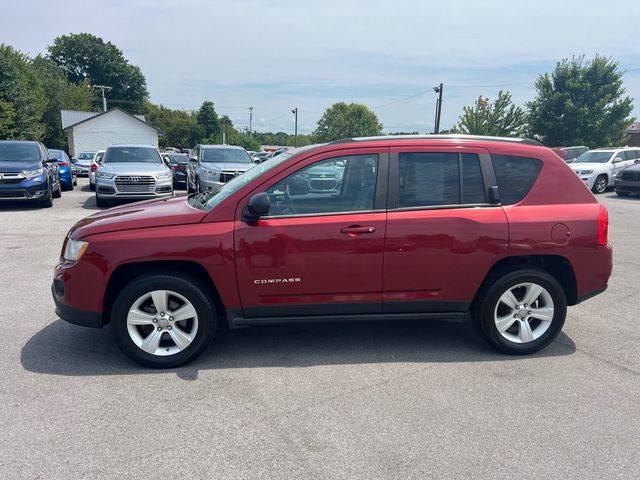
x,y
434,179
629,154
515,176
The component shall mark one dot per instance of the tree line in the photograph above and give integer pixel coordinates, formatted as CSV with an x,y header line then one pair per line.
x,y
582,102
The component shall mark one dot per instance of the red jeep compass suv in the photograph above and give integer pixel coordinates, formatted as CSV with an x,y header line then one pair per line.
x,y
499,231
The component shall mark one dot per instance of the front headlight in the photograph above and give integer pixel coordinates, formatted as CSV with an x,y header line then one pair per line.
x,y
163,175
210,173
104,175
33,173
586,172
74,250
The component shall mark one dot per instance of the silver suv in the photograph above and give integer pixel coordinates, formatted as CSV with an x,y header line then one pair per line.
x,y
211,166
132,172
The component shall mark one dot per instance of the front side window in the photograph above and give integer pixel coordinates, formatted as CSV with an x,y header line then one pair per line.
x,y
515,176
341,184
428,179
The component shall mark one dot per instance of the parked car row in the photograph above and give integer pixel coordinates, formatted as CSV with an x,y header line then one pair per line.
x,y
599,169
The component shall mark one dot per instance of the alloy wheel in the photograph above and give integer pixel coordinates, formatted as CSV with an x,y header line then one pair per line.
x,y
524,313
601,184
162,322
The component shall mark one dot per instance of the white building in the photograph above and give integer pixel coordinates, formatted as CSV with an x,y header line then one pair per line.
x,y
92,131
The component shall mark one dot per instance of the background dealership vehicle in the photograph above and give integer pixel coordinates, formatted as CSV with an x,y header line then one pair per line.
x,y
414,211
83,163
132,172
259,157
97,160
569,154
628,181
68,177
28,172
598,168
178,164
211,166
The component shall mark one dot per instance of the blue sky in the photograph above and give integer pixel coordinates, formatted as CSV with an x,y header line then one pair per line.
x,y
279,54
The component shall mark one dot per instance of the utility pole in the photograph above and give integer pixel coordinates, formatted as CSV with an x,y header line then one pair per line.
x,y
295,138
250,119
104,100
438,90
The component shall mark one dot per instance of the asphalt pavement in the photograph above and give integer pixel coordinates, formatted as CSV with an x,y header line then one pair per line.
x,y
405,400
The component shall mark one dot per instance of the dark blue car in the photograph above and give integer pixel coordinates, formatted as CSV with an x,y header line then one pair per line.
x,y
28,173
68,177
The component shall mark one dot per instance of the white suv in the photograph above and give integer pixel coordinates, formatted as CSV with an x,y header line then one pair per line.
x,y
598,168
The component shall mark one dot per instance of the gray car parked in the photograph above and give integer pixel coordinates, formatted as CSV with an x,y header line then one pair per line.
x,y
132,172
211,166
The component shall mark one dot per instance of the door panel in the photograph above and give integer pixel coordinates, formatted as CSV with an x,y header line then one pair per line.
x,y
436,257
320,252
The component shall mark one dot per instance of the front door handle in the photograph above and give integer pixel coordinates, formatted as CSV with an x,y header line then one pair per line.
x,y
355,230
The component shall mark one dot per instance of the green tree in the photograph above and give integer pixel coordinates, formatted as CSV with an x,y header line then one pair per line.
x,y
581,103
7,120
180,127
208,120
343,120
60,94
22,96
501,118
85,57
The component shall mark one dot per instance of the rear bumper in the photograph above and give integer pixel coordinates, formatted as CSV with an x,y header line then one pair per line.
x,y
588,295
84,318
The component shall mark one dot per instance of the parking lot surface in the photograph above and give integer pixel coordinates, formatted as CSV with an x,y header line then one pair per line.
x,y
364,400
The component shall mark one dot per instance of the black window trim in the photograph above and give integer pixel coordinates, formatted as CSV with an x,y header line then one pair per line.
x,y
380,199
486,169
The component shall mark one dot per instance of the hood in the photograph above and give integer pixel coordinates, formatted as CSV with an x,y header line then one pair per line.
x,y
151,213
587,166
137,168
228,166
17,167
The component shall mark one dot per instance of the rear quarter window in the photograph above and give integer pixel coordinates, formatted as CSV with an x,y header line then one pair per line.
x,y
515,176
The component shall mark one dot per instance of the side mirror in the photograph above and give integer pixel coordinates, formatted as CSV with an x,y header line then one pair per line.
x,y
51,160
193,159
494,194
257,207
617,160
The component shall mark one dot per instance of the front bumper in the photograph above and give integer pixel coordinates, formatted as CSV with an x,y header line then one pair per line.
x,y
109,189
26,190
77,293
627,186
210,185
84,318
82,170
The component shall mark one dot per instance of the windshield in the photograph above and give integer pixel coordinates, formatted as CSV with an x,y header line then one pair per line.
x,y
594,157
132,155
224,155
181,158
86,156
209,200
19,152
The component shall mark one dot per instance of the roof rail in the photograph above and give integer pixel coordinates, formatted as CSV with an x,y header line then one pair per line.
x,y
526,141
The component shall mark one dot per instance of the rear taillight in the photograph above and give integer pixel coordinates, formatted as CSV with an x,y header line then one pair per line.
x,y
174,167
603,226
63,164
94,167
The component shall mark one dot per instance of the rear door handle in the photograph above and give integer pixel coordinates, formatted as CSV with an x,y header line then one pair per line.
x,y
355,230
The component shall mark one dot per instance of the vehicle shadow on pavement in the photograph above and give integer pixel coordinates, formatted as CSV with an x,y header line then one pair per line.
x,y
18,205
63,349
635,197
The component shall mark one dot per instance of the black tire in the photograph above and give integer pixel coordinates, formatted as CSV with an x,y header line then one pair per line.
x,y
187,287
101,202
487,301
189,189
92,187
57,193
598,184
622,194
47,201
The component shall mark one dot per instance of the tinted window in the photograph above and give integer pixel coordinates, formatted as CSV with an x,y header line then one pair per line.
x,y
472,184
224,155
515,176
630,155
428,179
132,155
86,155
342,184
19,152
594,157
